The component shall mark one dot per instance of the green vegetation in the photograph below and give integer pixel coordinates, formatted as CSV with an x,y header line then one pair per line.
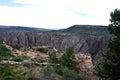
x,y
66,70
68,60
19,72
71,75
33,79
17,59
8,72
41,49
109,68
16,46
67,65
5,53
48,73
53,58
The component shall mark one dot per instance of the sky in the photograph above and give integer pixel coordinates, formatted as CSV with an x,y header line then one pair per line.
x,y
56,14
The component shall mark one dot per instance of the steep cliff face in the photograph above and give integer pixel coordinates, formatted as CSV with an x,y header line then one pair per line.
x,y
90,45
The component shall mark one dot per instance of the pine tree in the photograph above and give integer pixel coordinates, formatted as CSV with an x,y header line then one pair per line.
x,y
68,59
109,68
53,58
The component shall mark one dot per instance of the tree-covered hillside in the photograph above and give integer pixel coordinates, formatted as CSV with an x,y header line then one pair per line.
x,y
75,30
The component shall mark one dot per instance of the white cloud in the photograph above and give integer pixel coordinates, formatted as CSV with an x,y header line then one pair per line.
x,y
58,13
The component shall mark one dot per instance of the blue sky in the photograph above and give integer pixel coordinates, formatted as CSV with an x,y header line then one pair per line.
x,y
10,3
56,14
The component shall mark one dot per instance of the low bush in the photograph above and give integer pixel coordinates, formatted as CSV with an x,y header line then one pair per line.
x,y
9,72
32,78
16,46
5,53
5,57
17,59
41,49
71,75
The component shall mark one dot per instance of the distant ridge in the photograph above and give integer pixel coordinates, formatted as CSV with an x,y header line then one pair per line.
x,y
75,30
21,29
97,30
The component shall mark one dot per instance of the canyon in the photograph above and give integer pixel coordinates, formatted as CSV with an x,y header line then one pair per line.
x,y
89,42
85,39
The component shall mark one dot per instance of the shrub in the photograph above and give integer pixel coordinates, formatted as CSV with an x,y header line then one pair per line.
x,y
48,73
32,78
17,59
71,75
16,46
53,58
68,59
5,53
41,49
67,68
5,57
9,72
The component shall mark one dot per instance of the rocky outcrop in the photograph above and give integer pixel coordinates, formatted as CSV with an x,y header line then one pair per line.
x,y
85,66
38,58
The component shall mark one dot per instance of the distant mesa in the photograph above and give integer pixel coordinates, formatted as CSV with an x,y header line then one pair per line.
x,y
21,29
